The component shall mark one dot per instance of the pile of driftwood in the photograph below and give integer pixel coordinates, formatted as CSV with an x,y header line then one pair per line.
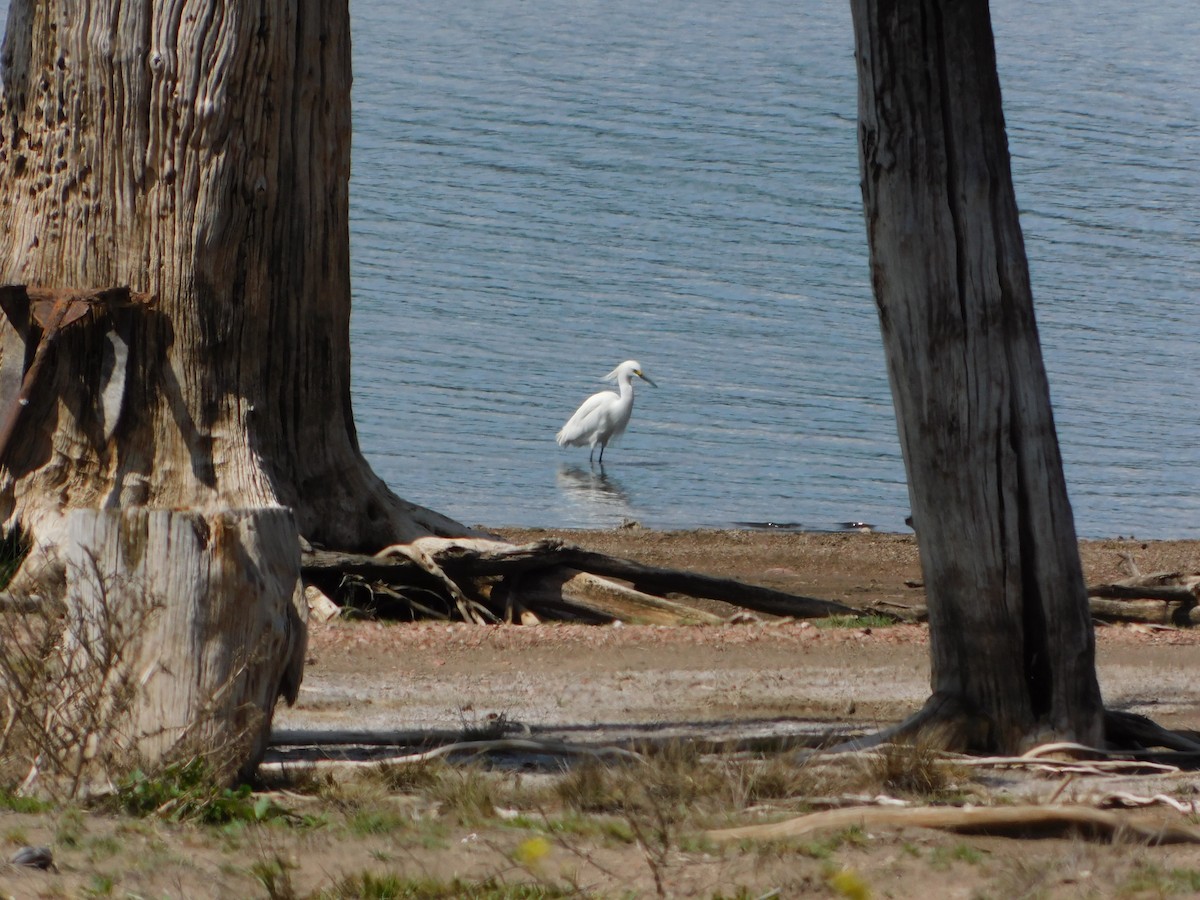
x,y
487,581
1159,597
490,581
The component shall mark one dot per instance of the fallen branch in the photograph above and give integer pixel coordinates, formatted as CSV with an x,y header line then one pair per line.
x,y
1010,821
1180,588
1131,731
944,724
470,611
1171,607
1061,758
1125,800
1154,613
501,558
491,580
487,579
1059,766
473,748
572,590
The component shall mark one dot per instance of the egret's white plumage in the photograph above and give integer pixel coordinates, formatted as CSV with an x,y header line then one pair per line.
x,y
602,417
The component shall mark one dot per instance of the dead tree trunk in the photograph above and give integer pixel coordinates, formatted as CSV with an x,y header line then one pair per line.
x,y
1011,638
198,152
180,632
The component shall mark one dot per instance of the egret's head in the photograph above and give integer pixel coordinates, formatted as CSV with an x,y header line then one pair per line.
x,y
628,369
642,375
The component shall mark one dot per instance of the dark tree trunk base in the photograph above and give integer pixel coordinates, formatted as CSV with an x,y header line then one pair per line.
x,y
944,724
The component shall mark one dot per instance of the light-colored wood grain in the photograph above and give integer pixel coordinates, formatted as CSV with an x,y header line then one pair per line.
x,y
198,151
218,630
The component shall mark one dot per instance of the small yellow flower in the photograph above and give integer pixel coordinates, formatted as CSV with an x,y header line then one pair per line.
x,y
532,851
850,884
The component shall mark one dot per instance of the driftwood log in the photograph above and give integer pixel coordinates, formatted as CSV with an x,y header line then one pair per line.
x,y
183,629
1013,821
486,580
1161,596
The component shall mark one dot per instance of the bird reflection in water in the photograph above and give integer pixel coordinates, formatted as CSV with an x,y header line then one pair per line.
x,y
592,487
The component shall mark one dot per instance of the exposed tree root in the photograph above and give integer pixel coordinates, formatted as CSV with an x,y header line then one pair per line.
x,y
1137,734
1134,743
943,723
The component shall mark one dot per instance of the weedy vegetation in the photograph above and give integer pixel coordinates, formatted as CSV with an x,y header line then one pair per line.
x,y
864,621
599,827
481,832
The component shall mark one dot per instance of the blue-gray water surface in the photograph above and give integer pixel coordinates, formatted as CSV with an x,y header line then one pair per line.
x,y
544,188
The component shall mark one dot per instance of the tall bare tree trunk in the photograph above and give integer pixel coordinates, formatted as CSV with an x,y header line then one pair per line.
x,y
199,151
1012,641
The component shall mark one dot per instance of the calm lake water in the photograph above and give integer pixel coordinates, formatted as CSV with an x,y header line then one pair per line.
x,y
543,188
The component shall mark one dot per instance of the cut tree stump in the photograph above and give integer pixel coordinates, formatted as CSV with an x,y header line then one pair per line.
x,y
184,628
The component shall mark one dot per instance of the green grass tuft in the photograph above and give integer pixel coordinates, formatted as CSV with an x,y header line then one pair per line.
x,y
14,803
14,547
865,621
189,792
369,886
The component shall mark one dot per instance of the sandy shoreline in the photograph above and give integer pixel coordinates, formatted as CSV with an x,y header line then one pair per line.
x,y
557,677
851,567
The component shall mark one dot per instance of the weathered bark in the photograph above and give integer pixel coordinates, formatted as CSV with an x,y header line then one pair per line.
x,y
1010,632
200,152
181,631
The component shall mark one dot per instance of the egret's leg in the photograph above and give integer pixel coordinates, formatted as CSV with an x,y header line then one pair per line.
x,y
602,446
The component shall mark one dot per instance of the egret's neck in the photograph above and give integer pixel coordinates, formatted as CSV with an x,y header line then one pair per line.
x,y
625,385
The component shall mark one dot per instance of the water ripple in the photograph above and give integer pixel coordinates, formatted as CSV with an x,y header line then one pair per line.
x,y
542,190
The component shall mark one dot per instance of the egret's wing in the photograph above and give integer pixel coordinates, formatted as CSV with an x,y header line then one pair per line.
x,y
581,426
619,423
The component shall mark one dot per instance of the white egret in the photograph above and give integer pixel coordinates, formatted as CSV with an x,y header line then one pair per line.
x,y
602,417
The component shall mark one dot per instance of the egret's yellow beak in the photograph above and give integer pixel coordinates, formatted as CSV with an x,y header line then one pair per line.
x,y
638,373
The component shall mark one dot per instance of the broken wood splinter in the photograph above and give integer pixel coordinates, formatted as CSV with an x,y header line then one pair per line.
x,y
52,310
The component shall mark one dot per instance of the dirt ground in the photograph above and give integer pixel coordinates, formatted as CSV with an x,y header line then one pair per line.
x,y
736,678
733,686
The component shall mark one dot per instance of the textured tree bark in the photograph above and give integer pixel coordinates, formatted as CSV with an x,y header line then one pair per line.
x,y
1010,632
183,630
198,151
